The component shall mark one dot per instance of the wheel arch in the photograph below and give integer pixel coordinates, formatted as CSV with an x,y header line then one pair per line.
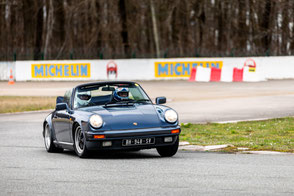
x,y
47,121
74,126
44,125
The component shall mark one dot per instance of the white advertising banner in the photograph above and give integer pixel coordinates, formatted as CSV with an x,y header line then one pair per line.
x,y
85,70
253,68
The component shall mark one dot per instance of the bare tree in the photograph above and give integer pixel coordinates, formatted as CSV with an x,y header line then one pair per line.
x,y
50,29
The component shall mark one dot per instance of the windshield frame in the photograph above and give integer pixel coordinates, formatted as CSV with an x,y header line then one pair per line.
x,y
113,84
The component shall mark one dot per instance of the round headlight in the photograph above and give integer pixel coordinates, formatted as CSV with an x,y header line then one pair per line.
x,y
171,116
96,121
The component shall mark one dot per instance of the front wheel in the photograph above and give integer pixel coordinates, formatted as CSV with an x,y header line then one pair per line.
x,y
80,143
48,140
168,151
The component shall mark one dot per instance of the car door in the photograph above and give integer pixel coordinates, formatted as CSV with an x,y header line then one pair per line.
x,y
61,121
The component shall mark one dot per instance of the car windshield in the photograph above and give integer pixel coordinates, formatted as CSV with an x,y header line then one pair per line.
x,y
95,95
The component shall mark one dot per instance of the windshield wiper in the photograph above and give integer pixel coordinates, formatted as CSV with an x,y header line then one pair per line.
x,y
125,103
137,101
141,100
119,103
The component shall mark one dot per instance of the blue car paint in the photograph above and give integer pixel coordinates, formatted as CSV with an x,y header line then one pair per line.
x,y
119,120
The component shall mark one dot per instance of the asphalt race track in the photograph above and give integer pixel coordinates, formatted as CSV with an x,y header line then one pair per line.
x,y
27,169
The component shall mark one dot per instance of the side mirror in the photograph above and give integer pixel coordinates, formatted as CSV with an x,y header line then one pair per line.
x,y
160,100
59,99
61,106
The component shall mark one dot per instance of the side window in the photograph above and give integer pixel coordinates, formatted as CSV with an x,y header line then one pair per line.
x,y
67,97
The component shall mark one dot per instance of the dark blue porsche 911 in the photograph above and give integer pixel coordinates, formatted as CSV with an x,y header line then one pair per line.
x,y
111,116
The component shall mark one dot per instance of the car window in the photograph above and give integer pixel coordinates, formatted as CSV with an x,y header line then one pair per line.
x,y
100,95
67,97
99,92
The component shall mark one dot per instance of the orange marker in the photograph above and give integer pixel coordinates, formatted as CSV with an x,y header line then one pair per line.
x,y
11,79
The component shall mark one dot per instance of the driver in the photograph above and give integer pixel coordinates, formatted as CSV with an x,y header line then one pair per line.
x,y
83,99
121,94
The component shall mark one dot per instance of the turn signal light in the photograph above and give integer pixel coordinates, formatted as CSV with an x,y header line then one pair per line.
x,y
99,136
175,131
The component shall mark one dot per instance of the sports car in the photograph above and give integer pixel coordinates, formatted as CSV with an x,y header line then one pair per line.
x,y
115,115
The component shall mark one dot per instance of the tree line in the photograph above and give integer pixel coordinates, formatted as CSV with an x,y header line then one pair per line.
x,y
96,29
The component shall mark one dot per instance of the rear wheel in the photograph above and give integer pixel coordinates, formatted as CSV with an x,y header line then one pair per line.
x,y
48,140
168,151
80,143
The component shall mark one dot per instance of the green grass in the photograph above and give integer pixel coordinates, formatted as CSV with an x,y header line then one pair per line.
x,y
275,135
25,103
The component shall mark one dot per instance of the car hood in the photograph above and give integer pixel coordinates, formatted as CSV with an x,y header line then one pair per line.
x,y
128,117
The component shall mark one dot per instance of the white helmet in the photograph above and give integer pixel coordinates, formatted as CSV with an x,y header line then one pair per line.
x,y
83,98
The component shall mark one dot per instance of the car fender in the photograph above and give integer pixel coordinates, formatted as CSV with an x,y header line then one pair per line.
x,y
48,120
82,122
161,109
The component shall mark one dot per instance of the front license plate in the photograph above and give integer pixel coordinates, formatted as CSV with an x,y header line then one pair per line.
x,y
135,142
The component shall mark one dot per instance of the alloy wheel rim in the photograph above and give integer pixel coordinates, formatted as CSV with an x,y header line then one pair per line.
x,y
47,137
79,140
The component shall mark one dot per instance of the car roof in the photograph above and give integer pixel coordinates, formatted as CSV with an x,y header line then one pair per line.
x,y
104,83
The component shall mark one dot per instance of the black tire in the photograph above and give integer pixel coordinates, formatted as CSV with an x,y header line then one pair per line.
x,y
48,140
80,143
168,151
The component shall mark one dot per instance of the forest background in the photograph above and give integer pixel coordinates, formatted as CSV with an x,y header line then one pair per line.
x,y
104,29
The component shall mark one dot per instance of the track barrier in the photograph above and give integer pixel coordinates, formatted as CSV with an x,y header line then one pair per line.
x,y
238,75
193,74
215,75
245,69
203,74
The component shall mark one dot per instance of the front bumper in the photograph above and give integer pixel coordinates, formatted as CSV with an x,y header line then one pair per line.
x,y
117,137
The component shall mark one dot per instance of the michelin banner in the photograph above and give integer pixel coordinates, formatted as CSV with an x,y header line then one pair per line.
x,y
74,70
181,68
83,70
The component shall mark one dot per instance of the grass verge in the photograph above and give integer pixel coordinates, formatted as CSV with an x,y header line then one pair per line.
x,y
274,135
22,103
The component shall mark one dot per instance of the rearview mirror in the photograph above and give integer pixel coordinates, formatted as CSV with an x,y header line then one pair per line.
x,y
59,99
160,100
61,106
108,88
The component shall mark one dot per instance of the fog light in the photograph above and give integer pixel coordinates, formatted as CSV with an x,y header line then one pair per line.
x,y
168,139
108,143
